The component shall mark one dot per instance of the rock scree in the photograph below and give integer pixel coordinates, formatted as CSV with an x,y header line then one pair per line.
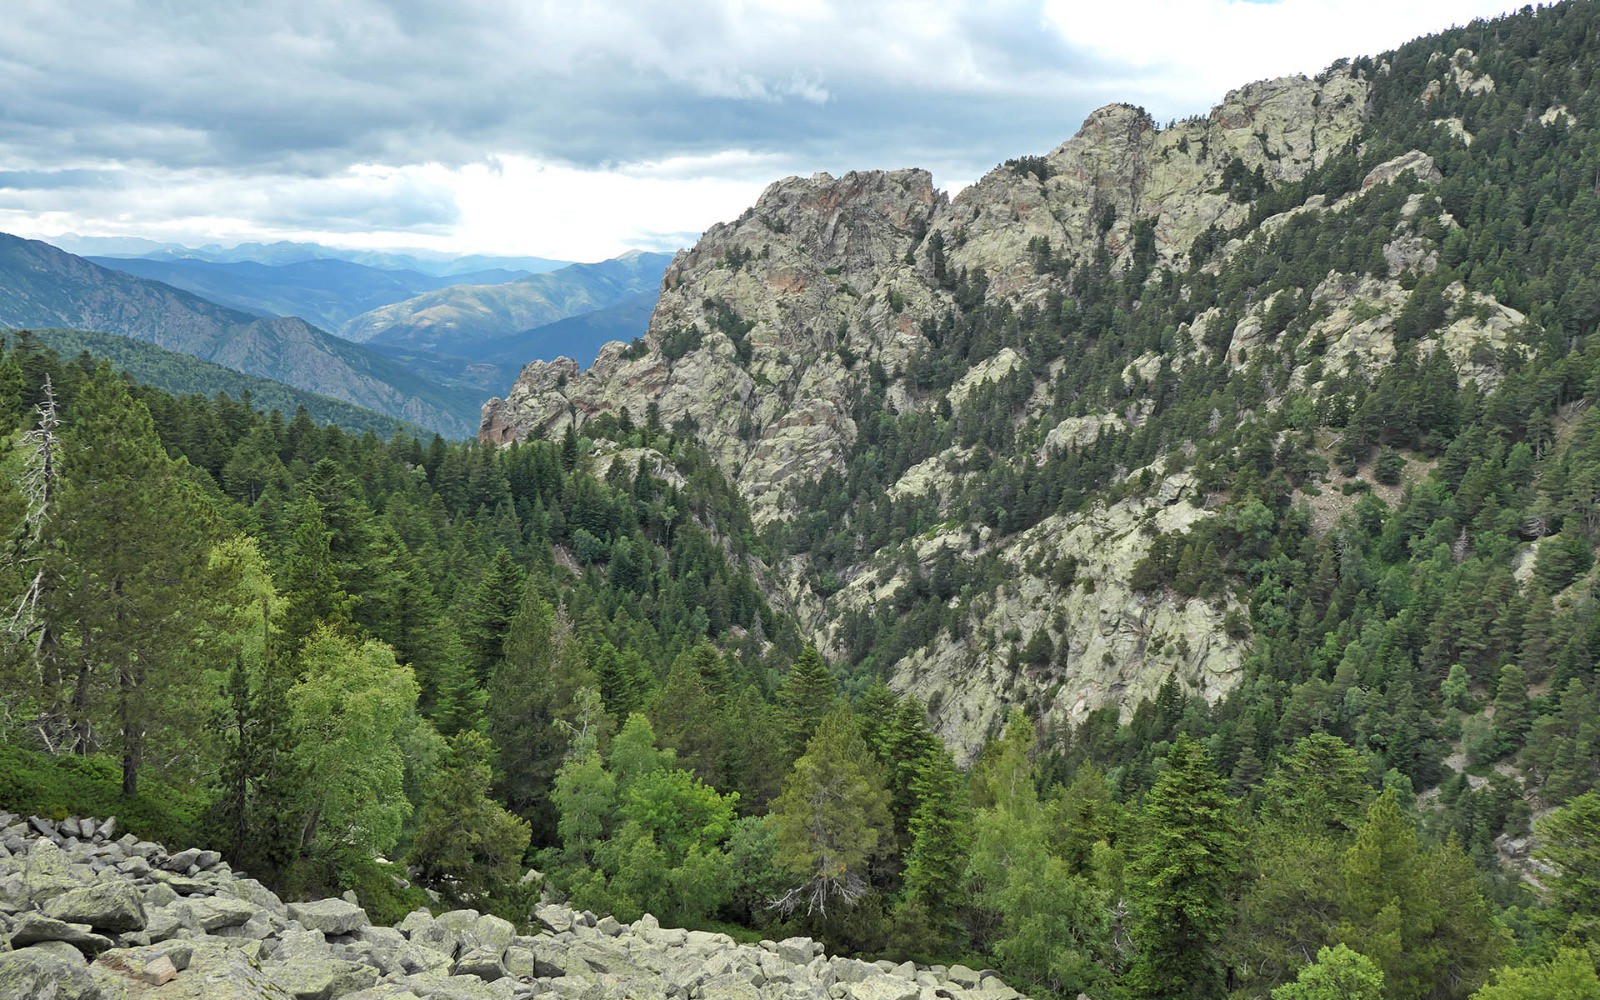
x,y
88,915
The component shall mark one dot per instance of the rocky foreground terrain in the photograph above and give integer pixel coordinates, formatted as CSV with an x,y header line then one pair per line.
x,y
89,915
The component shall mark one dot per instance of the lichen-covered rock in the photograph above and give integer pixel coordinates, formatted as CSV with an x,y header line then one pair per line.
x,y
330,916
35,973
110,906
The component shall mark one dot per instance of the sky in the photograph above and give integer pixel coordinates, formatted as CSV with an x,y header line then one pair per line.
x,y
577,130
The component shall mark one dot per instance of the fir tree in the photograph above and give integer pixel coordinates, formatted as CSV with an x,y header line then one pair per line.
x,y
805,699
1180,877
830,818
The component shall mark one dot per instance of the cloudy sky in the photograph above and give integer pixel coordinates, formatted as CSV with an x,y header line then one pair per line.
x,y
577,130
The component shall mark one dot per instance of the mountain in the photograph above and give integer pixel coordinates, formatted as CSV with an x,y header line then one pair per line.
x,y
579,337
181,374
431,262
467,319
1082,431
324,291
43,286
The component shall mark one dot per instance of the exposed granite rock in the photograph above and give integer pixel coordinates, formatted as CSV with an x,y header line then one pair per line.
x,y
768,330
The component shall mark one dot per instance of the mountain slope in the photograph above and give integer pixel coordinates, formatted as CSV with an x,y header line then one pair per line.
x,y
579,337
326,292
182,374
1010,440
43,286
466,319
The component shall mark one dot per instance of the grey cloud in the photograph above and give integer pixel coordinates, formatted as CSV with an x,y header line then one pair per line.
x,y
310,88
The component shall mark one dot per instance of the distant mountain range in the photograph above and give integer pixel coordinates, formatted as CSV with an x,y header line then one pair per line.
x,y
432,262
435,342
325,291
42,286
477,320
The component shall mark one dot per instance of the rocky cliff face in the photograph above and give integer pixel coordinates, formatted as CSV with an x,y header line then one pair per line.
x,y
88,916
771,327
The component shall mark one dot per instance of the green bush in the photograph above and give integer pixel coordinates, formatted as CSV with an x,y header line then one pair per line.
x,y
39,784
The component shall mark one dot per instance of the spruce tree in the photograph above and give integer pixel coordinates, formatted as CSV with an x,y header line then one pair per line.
x,y
806,697
1180,878
941,835
489,613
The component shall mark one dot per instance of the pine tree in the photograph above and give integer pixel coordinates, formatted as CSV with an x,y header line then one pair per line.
x,y
1180,877
805,699
1571,839
139,539
467,845
831,817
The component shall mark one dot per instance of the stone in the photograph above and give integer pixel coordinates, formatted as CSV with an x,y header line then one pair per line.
x,y
481,962
182,861
330,916
214,912
151,966
963,977
796,950
46,872
31,928
883,988
729,987
35,974
109,906
321,979
491,933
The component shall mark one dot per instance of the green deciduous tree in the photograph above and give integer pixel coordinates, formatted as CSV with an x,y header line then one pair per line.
x,y
350,708
1569,976
1337,974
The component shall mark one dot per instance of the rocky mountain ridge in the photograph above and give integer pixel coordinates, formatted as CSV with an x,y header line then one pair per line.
x,y
773,326
87,915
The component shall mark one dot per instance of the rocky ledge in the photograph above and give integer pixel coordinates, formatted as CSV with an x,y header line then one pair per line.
x,y
87,915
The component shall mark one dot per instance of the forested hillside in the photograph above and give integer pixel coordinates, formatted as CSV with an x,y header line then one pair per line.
x,y
1227,507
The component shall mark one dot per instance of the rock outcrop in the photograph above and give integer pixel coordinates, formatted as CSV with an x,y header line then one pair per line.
x,y
772,327
84,916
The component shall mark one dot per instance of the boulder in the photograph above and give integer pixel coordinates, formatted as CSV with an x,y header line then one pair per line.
x,y
31,928
34,973
110,906
330,916
212,913
481,962
883,988
321,979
